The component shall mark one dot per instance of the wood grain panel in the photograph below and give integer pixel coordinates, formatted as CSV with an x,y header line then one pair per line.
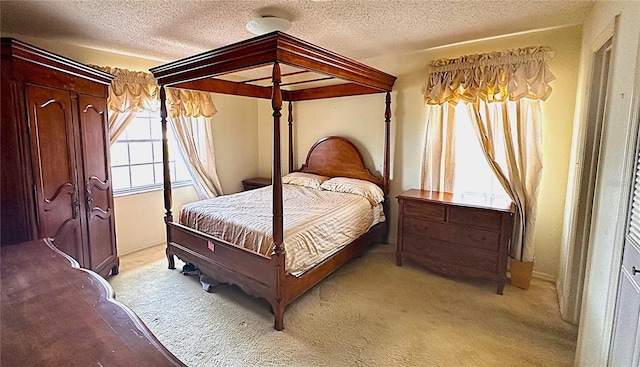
x,y
98,200
441,251
475,217
266,49
433,212
56,314
254,265
468,236
54,160
335,156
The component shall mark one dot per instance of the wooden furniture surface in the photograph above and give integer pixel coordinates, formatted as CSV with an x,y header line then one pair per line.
x,y
207,71
57,314
258,275
255,183
55,172
455,235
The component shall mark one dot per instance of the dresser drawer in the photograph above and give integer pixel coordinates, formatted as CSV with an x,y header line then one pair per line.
x,y
452,254
475,217
468,236
423,210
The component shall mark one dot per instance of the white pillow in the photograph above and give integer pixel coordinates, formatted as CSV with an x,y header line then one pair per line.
x,y
304,179
367,189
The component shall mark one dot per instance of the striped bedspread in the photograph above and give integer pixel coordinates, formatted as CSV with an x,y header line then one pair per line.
x,y
317,223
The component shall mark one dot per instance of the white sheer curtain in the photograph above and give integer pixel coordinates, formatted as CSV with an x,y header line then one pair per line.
x,y
438,163
190,113
503,91
515,126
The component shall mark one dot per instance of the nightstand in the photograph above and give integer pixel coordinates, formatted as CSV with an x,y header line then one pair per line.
x,y
255,183
455,235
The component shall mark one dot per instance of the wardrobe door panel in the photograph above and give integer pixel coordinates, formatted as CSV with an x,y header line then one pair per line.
x,y
94,137
54,161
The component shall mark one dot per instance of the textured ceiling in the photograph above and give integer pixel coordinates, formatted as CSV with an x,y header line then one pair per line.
x,y
169,30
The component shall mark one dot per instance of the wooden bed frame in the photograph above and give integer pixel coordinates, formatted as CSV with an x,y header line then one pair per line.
x,y
256,274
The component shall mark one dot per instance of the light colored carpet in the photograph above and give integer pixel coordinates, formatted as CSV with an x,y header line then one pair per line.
x,y
368,313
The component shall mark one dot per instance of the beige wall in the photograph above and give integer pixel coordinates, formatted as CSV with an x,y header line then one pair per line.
x,y
236,140
614,171
362,119
140,217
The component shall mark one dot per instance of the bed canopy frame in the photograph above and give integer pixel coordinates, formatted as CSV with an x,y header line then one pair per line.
x,y
278,67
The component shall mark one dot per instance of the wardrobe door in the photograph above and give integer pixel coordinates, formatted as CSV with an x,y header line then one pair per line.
x,y
54,165
94,139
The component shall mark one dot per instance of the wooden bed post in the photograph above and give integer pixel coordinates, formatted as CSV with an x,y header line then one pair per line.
x,y
387,166
168,217
290,118
276,104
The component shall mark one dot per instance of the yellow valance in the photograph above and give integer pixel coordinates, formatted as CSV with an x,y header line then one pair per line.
x,y
189,103
137,90
494,76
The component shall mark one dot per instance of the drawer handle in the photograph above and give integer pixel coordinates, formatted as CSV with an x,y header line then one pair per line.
x,y
634,270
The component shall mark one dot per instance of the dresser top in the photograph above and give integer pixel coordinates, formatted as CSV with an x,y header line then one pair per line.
x,y
56,314
468,200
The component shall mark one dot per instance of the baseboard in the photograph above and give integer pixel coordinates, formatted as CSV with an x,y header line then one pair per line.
x,y
131,250
544,276
540,276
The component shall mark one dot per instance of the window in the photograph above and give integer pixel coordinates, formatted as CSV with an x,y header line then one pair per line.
x,y
473,175
136,157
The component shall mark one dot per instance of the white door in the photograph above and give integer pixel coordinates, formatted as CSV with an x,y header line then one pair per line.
x,y
625,344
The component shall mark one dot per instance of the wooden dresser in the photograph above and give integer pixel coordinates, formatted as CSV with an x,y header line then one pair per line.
x,y
56,314
255,183
455,235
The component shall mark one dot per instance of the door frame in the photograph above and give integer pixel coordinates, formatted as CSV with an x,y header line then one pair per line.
x,y
573,253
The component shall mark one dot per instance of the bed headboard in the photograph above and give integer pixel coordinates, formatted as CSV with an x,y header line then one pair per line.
x,y
336,156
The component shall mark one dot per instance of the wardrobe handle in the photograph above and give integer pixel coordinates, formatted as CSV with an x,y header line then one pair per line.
x,y
634,270
76,204
89,198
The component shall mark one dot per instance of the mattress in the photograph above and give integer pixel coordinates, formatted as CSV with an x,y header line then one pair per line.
x,y
317,223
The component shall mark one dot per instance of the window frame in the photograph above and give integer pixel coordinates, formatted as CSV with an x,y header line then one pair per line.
x,y
153,140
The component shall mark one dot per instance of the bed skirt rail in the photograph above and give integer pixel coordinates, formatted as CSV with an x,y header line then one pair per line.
x,y
254,273
296,286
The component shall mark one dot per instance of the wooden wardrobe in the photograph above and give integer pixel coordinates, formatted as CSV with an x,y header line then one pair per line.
x,y
55,176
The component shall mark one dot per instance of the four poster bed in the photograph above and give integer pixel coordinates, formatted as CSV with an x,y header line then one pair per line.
x,y
309,73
